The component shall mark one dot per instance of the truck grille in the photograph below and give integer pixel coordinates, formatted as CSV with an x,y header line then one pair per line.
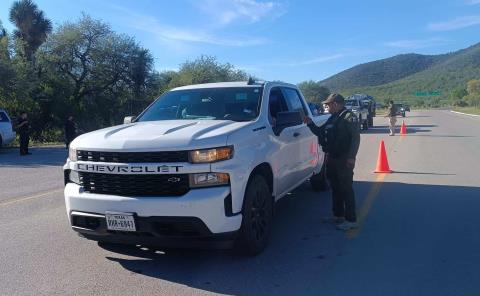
x,y
133,157
135,185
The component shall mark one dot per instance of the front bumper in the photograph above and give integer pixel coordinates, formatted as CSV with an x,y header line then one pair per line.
x,y
208,205
172,232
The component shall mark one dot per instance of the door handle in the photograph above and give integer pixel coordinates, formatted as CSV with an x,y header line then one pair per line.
x,y
296,134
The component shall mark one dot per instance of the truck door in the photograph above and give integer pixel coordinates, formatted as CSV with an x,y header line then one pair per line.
x,y
307,143
286,154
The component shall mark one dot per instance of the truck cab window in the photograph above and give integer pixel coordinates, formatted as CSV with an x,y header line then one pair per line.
x,y
276,104
293,101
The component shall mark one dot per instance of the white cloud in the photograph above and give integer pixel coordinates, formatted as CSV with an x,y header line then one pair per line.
x,y
415,44
180,38
251,11
313,61
454,24
289,64
472,2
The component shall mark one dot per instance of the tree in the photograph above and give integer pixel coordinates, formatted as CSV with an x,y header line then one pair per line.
x,y
140,69
314,91
473,89
97,70
32,26
457,95
206,69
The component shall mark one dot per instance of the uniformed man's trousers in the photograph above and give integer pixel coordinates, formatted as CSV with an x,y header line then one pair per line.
x,y
391,124
24,139
341,182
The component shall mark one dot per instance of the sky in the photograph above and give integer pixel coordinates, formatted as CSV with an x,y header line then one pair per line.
x,y
286,40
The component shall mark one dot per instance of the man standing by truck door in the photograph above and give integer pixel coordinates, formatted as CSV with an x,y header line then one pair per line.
x,y
340,140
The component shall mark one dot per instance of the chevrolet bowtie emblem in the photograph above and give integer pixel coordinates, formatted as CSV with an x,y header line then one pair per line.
x,y
173,179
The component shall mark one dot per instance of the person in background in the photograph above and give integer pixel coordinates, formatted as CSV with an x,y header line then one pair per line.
x,y
23,128
70,131
392,117
340,140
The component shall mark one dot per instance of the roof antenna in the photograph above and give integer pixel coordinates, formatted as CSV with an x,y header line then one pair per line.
x,y
250,81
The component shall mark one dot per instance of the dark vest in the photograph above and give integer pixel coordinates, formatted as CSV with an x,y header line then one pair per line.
x,y
332,140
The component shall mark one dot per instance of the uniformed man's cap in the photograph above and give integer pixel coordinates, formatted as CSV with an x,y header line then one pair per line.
x,y
334,98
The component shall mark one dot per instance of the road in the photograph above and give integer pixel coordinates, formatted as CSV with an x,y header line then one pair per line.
x,y
419,231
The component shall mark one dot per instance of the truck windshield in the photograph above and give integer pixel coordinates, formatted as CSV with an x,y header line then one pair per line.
x,y
351,103
232,103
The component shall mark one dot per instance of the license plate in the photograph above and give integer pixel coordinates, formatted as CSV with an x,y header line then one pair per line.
x,y
120,221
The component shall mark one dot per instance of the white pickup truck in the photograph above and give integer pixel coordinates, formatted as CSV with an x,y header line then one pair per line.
x,y
202,166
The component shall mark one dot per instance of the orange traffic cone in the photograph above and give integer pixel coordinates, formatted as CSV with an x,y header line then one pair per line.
x,y
403,129
382,162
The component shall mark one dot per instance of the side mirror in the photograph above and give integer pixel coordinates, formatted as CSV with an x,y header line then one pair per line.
x,y
287,119
128,119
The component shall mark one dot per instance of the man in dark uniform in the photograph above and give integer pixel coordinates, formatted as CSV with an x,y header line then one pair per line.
x,y
340,140
70,131
23,128
392,117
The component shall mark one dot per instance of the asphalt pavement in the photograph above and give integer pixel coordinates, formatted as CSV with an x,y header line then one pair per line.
x,y
419,232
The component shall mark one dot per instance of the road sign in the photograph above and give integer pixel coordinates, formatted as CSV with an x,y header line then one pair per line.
x,y
436,93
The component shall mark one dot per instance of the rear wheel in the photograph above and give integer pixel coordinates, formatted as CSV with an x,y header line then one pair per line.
x,y
257,217
1,142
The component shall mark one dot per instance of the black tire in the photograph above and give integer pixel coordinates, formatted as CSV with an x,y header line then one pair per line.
x,y
1,142
370,121
319,181
403,114
257,217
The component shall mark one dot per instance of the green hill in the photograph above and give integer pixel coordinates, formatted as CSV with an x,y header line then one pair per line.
x,y
382,71
417,75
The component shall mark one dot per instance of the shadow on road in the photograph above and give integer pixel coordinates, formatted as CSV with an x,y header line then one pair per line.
x,y
411,129
443,136
303,252
423,173
416,116
39,157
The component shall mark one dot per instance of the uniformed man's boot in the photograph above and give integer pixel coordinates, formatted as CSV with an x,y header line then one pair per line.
x,y
334,220
347,225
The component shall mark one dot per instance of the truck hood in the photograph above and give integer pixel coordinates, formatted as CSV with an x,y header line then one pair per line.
x,y
159,135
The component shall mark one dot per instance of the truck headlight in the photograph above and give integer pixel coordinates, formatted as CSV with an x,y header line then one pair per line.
x,y
74,177
72,154
211,155
208,179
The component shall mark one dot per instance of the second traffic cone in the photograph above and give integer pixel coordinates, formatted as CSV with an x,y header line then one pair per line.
x,y
382,162
403,129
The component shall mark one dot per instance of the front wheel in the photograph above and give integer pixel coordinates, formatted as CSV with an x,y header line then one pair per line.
x,y
257,217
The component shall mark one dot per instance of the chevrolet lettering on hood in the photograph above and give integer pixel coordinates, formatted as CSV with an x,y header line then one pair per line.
x,y
128,169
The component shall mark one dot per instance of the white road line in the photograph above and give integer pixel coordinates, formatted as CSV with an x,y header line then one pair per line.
x,y
464,113
29,197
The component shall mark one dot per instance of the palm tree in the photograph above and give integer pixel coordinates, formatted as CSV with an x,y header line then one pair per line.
x,y
32,26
